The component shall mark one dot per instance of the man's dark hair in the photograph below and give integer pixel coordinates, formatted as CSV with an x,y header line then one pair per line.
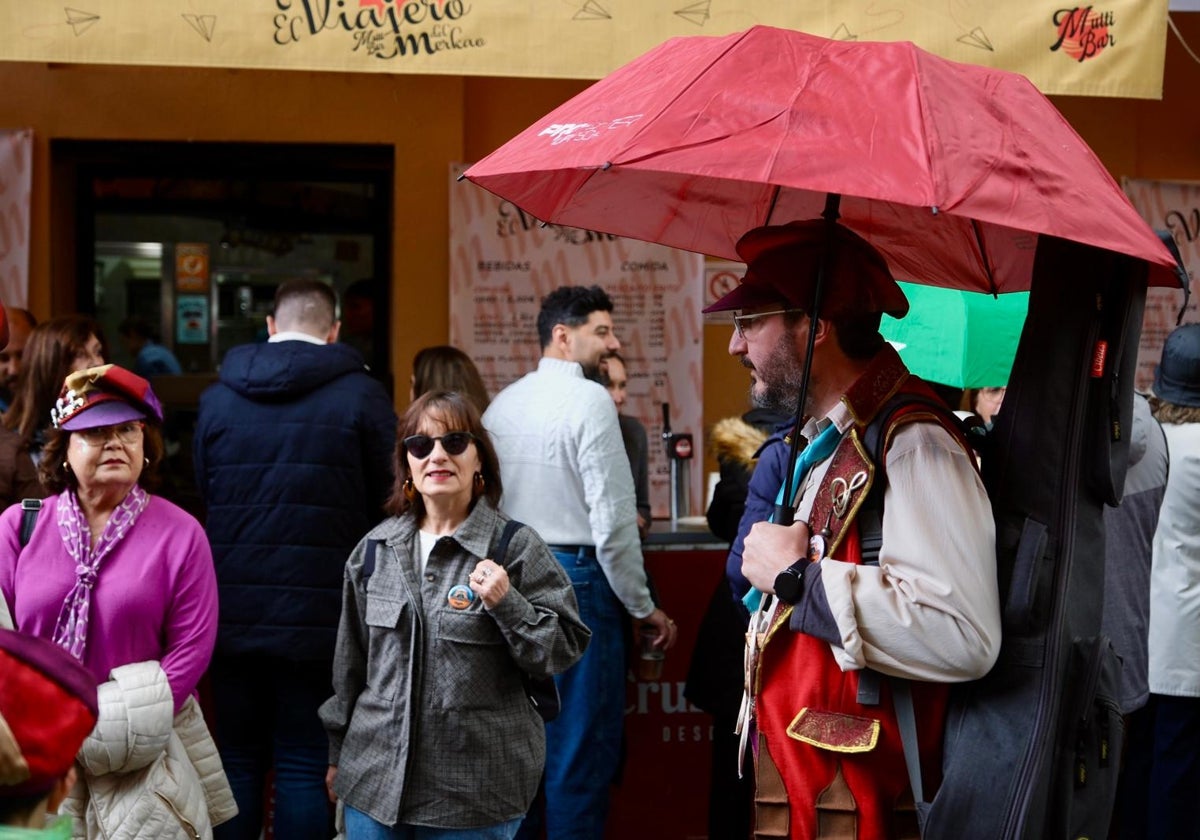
x,y
570,306
857,336
306,304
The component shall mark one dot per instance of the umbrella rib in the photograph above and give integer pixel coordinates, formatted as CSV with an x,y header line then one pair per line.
x,y
774,198
983,255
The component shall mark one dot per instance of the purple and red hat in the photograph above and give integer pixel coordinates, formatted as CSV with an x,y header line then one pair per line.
x,y
783,261
47,708
104,396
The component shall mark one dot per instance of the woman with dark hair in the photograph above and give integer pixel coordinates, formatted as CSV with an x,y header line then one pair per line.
x,y
430,725
56,348
124,582
446,368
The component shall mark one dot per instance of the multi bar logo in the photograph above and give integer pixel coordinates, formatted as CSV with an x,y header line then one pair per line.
x,y
1083,33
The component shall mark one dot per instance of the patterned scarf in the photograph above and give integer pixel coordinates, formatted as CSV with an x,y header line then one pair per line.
x,y
70,632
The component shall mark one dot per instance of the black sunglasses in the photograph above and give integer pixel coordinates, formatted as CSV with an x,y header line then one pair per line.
x,y
455,443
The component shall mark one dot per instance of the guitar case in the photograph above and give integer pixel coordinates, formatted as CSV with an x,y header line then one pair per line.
x,y
1033,749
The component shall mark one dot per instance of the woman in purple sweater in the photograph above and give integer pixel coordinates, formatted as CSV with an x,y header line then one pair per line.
x,y
111,574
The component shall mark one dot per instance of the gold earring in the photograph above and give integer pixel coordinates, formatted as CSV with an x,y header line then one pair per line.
x,y
478,483
410,491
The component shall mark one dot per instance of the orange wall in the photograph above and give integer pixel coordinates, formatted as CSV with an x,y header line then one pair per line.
x,y
421,116
434,120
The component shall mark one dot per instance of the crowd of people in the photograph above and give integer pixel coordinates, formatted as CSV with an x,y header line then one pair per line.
x,y
372,600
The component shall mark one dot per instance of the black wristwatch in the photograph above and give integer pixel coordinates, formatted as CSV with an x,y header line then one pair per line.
x,y
789,584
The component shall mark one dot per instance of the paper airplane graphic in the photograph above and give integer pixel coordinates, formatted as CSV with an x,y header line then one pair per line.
x,y
203,24
842,33
79,21
696,13
976,38
591,10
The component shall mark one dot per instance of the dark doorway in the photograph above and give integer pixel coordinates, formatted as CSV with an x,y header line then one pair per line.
x,y
240,218
193,238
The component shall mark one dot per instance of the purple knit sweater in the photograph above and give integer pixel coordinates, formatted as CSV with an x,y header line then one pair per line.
x,y
155,596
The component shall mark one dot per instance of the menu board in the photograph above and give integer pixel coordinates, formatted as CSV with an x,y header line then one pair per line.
x,y
503,262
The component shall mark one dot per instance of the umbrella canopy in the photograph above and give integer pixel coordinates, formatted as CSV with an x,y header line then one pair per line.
x,y
964,339
951,170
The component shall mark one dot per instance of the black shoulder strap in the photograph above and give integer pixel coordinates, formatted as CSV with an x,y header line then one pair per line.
x,y
369,560
29,514
870,516
870,530
511,527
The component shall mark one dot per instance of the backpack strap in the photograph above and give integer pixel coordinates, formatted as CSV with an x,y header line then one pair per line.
x,y
368,568
904,407
541,691
511,527
30,508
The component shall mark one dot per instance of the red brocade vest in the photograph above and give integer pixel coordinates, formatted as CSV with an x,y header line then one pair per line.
x,y
829,766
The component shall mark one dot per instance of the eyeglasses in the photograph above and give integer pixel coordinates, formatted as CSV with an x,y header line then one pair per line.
x,y
455,443
742,322
125,433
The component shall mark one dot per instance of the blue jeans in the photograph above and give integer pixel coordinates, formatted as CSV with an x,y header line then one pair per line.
x,y
265,713
361,827
583,744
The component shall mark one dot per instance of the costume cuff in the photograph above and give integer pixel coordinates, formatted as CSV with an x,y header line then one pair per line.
x,y
812,614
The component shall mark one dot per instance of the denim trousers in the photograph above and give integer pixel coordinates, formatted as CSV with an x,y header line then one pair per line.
x,y
1160,782
359,826
266,716
583,743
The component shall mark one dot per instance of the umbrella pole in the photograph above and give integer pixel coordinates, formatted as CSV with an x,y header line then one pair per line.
x,y
785,511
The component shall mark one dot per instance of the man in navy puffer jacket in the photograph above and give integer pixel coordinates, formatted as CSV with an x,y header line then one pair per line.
x,y
293,455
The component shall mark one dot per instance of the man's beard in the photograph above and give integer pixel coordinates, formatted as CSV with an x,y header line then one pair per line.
x,y
780,376
592,371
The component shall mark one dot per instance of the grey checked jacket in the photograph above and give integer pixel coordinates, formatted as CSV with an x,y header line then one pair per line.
x,y
429,723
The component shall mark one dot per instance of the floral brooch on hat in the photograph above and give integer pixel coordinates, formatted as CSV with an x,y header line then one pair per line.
x,y
66,405
101,396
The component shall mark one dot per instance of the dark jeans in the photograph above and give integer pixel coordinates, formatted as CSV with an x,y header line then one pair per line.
x,y
583,743
266,716
1160,782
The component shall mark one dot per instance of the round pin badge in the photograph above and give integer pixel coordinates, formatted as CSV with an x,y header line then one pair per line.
x,y
460,596
816,548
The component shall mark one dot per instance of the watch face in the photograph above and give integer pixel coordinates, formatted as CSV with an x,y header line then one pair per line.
x,y
788,585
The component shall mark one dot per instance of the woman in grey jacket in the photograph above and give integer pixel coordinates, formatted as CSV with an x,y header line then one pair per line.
x,y
430,726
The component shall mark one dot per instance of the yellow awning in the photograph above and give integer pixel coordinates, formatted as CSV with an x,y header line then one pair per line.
x,y
1113,48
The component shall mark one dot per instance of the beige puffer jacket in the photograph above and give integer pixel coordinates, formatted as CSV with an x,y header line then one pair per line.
x,y
143,774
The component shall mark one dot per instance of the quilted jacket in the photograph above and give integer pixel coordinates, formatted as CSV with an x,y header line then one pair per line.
x,y
293,456
144,774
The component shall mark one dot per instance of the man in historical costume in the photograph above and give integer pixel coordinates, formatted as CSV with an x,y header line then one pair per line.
x,y
861,601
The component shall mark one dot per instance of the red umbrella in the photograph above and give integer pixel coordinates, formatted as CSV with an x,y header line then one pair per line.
x,y
950,170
